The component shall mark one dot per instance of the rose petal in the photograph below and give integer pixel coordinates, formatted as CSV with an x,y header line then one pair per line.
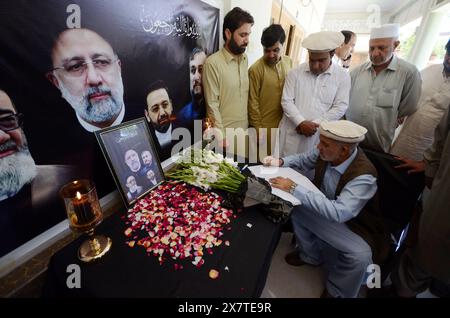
x,y
213,274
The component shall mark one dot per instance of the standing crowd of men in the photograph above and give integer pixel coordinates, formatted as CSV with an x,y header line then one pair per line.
x,y
318,117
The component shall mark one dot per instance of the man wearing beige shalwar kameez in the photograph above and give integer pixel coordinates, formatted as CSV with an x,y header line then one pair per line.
x,y
266,77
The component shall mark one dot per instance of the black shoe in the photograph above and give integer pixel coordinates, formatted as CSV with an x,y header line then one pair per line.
x,y
293,259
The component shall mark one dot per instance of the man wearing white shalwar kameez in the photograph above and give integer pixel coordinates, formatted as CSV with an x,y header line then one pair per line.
x,y
314,91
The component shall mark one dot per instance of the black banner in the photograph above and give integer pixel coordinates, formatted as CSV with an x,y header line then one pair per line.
x,y
75,66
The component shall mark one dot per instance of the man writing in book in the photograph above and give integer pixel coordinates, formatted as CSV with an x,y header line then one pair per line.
x,y
341,227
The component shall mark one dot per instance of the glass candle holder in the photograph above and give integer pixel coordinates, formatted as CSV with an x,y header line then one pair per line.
x,y
84,214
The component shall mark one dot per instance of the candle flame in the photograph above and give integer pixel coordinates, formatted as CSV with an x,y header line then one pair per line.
x,y
78,195
208,123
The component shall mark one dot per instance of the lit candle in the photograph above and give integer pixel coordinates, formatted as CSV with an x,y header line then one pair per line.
x,y
83,209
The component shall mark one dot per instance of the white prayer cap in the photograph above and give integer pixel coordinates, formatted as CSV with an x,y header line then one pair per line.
x,y
324,41
385,31
343,130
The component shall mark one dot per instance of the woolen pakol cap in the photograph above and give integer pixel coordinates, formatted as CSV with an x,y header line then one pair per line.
x,y
324,41
391,30
343,130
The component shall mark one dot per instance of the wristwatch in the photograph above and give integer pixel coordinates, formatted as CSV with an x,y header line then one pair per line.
x,y
292,188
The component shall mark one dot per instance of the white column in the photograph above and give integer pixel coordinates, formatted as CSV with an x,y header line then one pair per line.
x,y
426,38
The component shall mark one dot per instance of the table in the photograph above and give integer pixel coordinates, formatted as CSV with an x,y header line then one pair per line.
x,y
129,272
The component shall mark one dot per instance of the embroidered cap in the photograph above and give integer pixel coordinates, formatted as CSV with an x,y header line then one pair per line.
x,y
324,41
391,30
343,130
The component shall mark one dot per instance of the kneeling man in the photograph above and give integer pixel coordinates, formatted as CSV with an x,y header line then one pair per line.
x,y
341,227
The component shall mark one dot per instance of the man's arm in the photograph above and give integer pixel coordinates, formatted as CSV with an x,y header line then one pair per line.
x,y
212,95
340,103
348,204
303,161
412,89
254,113
432,155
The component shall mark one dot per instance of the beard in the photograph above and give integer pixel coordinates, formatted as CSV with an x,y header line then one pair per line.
x,y
133,189
99,111
197,91
16,170
377,63
235,48
163,123
272,61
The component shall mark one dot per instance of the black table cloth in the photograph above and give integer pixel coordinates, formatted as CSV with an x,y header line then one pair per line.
x,y
130,272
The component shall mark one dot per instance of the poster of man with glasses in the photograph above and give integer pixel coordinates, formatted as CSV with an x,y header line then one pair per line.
x,y
87,72
73,67
28,192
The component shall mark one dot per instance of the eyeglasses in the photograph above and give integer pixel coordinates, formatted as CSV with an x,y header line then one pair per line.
x,y
78,68
11,122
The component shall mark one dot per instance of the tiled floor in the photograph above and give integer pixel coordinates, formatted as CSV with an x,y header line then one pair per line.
x,y
288,281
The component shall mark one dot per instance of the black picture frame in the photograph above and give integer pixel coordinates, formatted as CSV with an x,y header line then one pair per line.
x,y
126,148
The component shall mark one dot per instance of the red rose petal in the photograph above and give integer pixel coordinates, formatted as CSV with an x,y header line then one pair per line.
x,y
180,226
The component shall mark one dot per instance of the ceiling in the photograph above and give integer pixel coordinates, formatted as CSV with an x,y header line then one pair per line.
x,y
360,5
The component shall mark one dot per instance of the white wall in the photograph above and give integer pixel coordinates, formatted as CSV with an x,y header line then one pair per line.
x,y
360,22
309,14
310,17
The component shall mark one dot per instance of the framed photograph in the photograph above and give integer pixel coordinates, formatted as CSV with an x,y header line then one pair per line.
x,y
132,158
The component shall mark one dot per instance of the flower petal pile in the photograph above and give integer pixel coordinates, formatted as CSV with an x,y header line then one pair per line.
x,y
177,221
206,169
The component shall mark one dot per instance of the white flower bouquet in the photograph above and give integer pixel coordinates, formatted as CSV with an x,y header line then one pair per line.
x,y
206,169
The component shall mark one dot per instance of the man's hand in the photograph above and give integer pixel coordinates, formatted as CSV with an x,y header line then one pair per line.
x,y
412,165
284,184
271,161
307,128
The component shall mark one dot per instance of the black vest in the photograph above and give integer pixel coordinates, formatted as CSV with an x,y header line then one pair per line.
x,y
368,223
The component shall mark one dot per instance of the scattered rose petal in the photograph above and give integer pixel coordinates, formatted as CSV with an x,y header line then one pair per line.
x,y
213,274
180,226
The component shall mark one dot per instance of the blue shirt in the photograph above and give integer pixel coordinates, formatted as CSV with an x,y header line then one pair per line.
x,y
189,113
350,201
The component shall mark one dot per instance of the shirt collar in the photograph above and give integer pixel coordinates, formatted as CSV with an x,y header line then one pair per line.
x,y
92,128
343,166
164,138
229,57
392,65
